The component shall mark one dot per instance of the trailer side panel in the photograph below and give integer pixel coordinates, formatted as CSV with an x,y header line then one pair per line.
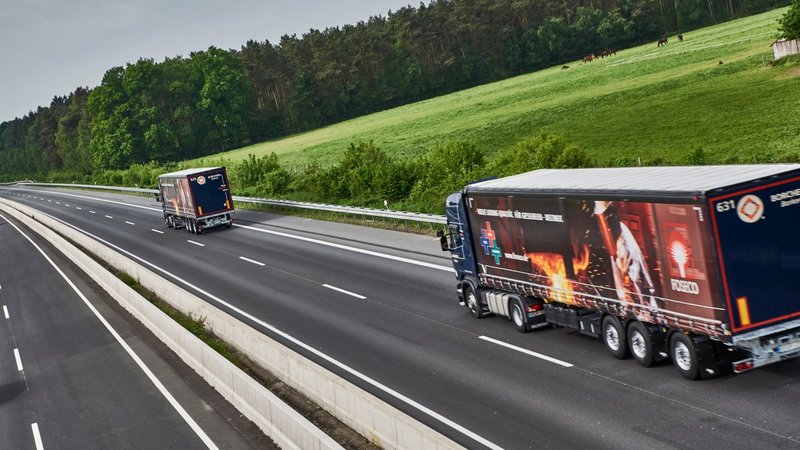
x,y
645,260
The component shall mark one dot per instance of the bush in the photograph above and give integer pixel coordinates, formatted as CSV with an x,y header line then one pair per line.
x,y
446,168
542,152
696,158
789,24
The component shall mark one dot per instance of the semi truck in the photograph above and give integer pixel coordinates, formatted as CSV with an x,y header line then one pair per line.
x,y
196,199
697,264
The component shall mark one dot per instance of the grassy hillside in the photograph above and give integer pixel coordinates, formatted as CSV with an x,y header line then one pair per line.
x,y
716,91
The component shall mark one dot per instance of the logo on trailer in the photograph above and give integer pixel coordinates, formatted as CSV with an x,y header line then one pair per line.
x,y
201,180
489,243
750,208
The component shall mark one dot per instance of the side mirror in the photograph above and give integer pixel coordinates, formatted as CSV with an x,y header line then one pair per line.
x,y
442,240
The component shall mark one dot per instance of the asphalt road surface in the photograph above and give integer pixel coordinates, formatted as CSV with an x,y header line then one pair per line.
x,y
379,308
77,373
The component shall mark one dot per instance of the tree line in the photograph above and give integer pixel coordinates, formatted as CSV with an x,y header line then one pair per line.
x,y
215,100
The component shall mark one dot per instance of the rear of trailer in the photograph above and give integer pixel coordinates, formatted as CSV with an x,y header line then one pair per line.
x,y
197,199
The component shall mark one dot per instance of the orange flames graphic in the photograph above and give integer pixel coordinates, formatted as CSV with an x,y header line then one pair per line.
x,y
552,264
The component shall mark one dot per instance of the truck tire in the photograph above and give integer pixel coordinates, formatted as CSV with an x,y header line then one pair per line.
x,y
518,317
640,344
684,355
473,302
614,337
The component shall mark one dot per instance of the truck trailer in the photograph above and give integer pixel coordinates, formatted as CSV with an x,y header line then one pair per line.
x,y
196,199
697,264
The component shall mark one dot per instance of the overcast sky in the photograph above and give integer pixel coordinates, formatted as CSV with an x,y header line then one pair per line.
x,y
50,47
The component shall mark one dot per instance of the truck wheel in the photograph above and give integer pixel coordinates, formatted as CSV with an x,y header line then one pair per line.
x,y
473,303
684,356
168,221
518,315
640,344
614,337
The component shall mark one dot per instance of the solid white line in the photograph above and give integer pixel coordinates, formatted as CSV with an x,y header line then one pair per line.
x,y
192,424
195,243
5,311
306,347
527,352
157,231
108,217
130,223
37,438
19,360
344,291
252,261
348,248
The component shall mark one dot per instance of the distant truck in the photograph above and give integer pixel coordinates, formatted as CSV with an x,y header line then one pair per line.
x,y
196,199
697,264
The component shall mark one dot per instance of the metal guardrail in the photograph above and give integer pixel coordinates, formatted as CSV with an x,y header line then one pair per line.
x,y
337,209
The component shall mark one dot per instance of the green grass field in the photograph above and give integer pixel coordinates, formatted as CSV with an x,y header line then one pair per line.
x,y
646,102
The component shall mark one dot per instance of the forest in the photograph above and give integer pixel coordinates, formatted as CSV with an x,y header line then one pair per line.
x,y
214,100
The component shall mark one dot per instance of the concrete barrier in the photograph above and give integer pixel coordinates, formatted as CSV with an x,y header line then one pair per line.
x,y
383,424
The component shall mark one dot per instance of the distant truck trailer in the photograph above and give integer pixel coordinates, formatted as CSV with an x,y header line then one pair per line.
x,y
697,264
196,199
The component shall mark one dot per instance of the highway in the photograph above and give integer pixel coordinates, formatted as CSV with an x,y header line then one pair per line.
x,y
380,309
77,373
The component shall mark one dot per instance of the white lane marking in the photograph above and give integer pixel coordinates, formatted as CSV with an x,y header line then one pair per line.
x,y
351,249
108,217
37,438
130,223
58,203
19,360
527,352
286,235
195,243
50,201
5,311
252,261
344,291
186,417
299,343
66,204
92,212
157,231
79,208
